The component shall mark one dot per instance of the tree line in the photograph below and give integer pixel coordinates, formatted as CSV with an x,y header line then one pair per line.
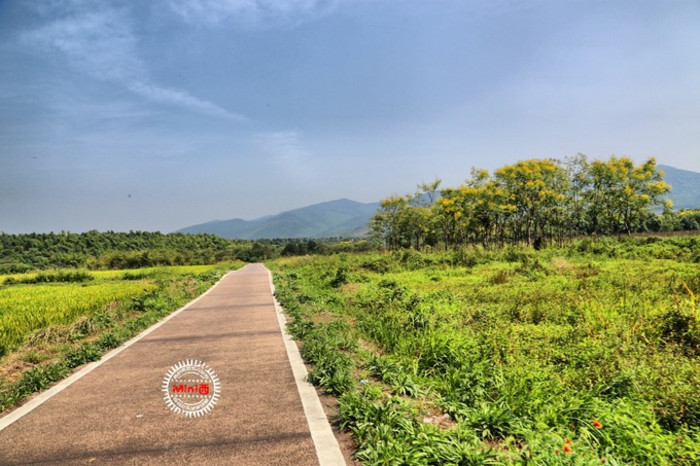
x,y
537,202
121,250
110,250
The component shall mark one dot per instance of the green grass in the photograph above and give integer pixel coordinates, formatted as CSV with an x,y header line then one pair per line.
x,y
146,272
523,355
31,308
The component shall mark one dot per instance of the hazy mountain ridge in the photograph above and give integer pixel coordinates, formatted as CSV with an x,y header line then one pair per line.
x,y
342,217
685,192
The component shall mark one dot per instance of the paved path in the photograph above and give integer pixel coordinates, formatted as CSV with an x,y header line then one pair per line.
x,y
116,414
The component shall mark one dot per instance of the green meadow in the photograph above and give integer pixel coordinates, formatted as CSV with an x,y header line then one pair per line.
x,y
585,354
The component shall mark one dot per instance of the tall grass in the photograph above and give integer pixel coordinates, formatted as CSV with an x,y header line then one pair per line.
x,y
27,309
548,357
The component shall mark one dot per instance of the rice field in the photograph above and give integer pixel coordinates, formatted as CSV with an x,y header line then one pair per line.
x,y
28,308
122,273
31,302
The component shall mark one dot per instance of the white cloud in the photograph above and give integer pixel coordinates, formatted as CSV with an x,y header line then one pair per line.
x,y
98,42
98,39
253,13
182,98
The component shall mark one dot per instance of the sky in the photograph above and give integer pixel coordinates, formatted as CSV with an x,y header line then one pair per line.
x,y
128,115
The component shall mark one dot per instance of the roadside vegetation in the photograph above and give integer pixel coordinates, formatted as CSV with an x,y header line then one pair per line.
x,y
54,321
580,354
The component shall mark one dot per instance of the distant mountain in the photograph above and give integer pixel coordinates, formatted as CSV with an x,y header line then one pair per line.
x,y
340,218
685,191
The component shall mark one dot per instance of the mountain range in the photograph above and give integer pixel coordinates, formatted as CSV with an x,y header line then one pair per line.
x,y
346,218
339,218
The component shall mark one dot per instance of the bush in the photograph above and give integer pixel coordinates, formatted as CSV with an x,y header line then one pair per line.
x,y
341,277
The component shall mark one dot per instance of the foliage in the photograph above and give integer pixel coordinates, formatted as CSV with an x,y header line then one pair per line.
x,y
581,354
136,250
534,201
407,221
619,194
110,250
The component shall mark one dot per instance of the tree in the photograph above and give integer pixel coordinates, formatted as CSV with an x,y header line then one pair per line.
x,y
577,168
385,224
621,195
534,189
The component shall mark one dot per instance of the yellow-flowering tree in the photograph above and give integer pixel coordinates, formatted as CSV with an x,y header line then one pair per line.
x,y
530,201
621,195
534,190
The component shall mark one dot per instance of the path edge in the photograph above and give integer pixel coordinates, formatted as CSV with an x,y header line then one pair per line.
x,y
16,414
327,448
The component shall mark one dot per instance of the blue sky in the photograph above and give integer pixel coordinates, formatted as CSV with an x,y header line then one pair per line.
x,y
128,115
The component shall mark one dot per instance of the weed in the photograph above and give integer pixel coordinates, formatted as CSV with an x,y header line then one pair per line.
x,y
523,349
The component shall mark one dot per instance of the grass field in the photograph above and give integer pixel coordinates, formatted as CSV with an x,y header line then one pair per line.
x,y
31,308
53,321
582,355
